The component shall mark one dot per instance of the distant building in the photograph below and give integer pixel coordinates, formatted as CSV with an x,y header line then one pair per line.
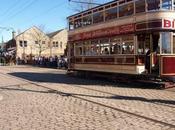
x,y
58,42
34,43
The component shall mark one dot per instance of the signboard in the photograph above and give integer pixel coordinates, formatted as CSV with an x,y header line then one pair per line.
x,y
103,32
168,23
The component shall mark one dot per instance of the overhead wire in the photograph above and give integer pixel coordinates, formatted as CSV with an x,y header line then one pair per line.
x,y
45,12
10,9
21,10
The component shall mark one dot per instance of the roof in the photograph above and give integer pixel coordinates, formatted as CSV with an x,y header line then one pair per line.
x,y
35,27
54,33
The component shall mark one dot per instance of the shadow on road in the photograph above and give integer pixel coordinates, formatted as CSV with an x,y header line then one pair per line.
x,y
77,95
74,80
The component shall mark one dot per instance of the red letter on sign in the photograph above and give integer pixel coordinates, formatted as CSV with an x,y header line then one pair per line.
x,y
167,23
173,24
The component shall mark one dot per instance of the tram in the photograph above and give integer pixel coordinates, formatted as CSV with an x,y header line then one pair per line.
x,y
129,37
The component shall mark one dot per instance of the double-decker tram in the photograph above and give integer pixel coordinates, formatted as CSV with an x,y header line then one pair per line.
x,y
129,37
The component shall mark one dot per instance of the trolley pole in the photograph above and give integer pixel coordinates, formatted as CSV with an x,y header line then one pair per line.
x,y
90,3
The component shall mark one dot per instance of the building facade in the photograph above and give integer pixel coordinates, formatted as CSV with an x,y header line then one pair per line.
x,y
58,42
35,43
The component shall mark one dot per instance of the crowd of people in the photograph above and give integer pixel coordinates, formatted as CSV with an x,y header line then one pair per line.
x,y
42,61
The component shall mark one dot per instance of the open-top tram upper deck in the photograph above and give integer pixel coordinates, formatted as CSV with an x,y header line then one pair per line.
x,y
124,36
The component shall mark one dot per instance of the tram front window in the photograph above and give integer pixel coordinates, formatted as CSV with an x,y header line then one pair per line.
x,y
166,42
167,4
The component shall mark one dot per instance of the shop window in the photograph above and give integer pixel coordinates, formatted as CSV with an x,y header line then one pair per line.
x,y
61,45
126,10
53,44
166,42
25,43
43,42
98,17
36,42
87,20
21,43
140,6
111,14
153,4
167,4
56,44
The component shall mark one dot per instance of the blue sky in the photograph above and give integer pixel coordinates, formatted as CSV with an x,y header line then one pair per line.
x,y
23,14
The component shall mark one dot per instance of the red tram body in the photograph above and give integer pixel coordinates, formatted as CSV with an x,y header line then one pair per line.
x,y
135,37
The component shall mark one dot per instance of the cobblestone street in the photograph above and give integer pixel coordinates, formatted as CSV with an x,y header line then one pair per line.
x,y
34,98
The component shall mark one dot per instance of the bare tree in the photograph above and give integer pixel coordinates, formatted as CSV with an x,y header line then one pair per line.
x,y
40,39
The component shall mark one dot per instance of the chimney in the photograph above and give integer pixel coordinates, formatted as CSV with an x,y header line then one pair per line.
x,y
13,35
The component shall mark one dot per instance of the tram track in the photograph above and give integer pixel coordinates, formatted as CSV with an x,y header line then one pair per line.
x,y
91,101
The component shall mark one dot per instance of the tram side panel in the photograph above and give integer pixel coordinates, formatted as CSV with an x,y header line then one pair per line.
x,y
167,63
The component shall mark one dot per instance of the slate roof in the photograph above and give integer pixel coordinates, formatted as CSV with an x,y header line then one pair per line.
x,y
54,33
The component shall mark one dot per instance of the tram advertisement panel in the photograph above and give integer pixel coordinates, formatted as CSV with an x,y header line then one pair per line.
x,y
167,65
123,29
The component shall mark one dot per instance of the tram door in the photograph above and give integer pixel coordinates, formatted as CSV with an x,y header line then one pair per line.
x,y
148,45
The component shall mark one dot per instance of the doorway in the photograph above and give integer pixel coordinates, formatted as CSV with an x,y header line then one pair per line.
x,y
149,46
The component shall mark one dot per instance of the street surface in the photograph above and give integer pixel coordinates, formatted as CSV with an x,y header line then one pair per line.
x,y
34,98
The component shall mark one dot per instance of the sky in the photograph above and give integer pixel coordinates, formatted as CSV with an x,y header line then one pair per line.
x,y
20,15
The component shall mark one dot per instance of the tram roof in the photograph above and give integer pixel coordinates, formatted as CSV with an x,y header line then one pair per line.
x,y
94,8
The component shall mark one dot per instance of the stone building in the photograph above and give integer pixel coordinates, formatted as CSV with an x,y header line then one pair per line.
x,y
34,43
58,42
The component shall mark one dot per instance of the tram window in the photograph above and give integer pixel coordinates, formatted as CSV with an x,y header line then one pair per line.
x,y
115,46
98,17
77,23
166,42
71,25
126,10
78,51
95,48
127,48
87,20
140,40
111,14
153,4
167,4
87,48
140,6
104,46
